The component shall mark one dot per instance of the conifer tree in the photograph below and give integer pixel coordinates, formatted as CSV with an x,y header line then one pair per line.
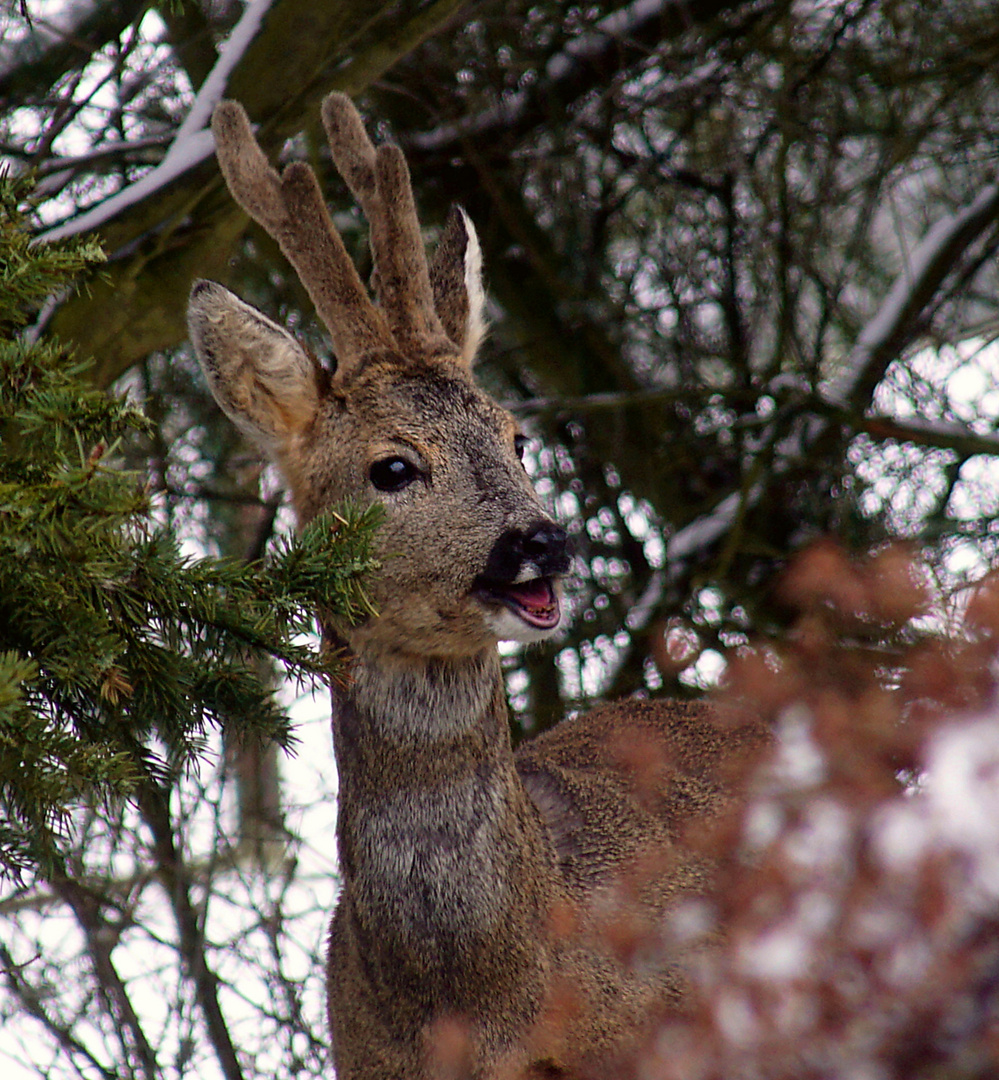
x,y
117,654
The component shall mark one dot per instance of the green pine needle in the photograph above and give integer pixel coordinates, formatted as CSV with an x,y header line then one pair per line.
x,y
118,654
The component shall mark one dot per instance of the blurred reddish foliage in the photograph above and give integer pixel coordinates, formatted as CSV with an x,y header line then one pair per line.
x,y
851,930
858,897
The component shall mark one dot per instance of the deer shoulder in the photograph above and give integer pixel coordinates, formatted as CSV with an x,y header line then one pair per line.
x,y
622,783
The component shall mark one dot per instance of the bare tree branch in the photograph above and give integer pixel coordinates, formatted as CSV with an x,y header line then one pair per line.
x,y
30,65
101,938
32,1001
175,880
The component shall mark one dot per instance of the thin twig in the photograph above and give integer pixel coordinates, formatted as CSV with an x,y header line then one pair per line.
x,y
32,1002
174,875
86,907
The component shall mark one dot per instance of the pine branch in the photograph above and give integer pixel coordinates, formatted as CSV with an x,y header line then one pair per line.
x,y
117,653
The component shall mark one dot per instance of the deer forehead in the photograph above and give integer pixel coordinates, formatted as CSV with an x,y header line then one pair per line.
x,y
436,411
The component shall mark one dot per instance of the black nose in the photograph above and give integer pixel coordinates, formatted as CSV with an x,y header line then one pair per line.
x,y
545,545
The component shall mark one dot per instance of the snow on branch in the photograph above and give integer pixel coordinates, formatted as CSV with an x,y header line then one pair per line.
x,y
896,321
195,149
587,47
193,141
213,87
702,532
893,327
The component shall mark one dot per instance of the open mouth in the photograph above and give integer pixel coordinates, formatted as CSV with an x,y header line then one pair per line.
x,y
534,601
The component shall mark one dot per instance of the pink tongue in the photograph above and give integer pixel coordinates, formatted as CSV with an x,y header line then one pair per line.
x,y
534,595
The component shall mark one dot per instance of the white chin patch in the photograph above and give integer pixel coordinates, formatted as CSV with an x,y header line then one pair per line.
x,y
510,627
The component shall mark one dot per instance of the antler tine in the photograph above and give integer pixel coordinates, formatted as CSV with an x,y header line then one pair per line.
x,y
352,150
380,182
291,208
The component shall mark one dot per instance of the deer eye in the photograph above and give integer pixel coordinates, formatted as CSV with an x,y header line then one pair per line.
x,y
520,445
392,474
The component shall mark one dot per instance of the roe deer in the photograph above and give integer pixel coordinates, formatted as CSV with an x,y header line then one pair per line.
x,y
486,894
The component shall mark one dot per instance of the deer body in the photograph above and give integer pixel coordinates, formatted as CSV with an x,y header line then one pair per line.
x,y
486,895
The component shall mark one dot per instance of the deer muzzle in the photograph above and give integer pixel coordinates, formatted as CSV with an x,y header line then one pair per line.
x,y
522,572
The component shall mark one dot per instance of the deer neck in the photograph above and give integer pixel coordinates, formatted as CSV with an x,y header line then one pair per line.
x,y
417,702
442,854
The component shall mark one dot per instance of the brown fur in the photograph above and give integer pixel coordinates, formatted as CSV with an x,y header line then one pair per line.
x,y
497,909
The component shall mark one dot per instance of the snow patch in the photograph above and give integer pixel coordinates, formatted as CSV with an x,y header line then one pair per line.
x,y
799,763
962,798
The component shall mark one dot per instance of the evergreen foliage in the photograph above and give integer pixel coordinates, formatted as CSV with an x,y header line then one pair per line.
x,y
117,653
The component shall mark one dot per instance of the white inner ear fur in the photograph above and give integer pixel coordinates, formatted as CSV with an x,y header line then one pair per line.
x,y
476,327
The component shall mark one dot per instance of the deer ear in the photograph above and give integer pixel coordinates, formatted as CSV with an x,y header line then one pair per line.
x,y
258,373
456,280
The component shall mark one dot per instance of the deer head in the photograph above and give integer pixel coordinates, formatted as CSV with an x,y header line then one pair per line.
x,y
467,553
